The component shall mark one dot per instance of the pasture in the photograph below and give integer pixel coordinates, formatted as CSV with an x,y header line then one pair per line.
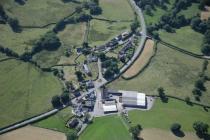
x,y
162,115
142,60
174,71
25,91
106,128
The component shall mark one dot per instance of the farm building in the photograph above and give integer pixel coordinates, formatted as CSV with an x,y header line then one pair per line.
x,y
133,99
86,69
110,107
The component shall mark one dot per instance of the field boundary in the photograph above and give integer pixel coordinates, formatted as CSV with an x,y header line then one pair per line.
x,y
145,66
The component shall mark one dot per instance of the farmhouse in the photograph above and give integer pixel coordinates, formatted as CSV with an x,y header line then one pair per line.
x,y
110,106
133,99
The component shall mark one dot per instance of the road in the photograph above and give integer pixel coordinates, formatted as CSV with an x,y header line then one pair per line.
x,y
99,83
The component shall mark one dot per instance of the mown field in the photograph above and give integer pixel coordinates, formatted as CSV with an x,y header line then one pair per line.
x,y
174,71
58,121
25,91
38,12
162,115
184,38
106,128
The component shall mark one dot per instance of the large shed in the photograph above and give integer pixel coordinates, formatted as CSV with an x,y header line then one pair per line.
x,y
133,99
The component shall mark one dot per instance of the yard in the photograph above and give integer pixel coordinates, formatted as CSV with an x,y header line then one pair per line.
x,y
174,71
25,91
106,128
184,38
58,121
162,115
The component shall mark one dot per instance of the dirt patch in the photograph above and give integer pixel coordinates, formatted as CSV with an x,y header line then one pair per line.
x,y
33,133
157,134
142,59
205,14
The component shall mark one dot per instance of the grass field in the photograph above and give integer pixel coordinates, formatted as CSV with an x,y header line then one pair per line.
x,y
58,121
38,12
102,31
33,133
20,42
191,11
174,71
162,115
142,60
25,91
158,134
106,128
184,38
116,10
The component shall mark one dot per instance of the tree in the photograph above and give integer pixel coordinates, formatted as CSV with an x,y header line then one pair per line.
x,y
148,9
102,56
56,102
14,24
95,10
201,128
161,92
72,136
187,100
134,25
205,64
155,35
65,98
175,127
59,26
78,9
197,91
206,49
135,130
200,84
79,75
95,1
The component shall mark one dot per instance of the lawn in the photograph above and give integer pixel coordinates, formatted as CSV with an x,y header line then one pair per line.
x,y
25,91
20,42
39,12
58,121
162,115
174,71
102,31
184,38
106,128
191,11
116,10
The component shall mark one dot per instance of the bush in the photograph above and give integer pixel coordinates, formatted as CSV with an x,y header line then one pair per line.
x,y
175,127
56,103
14,24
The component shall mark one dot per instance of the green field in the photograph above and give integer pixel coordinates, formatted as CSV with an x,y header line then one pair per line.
x,y
162,115
174,71
106,128
184,38
20,42
58,121
38,12
25,91
191,11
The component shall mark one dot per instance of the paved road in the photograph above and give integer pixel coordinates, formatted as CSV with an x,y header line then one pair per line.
x,y
29,121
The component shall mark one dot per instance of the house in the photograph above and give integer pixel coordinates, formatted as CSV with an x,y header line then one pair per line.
x,y
101,48
89,84
110,106
77,94
73,123
126,47
133,99
126,35
89,104
92,58
86,69
79,51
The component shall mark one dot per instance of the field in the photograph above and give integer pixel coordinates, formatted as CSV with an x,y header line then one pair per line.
x,y
205,14
20,42
142,59
58,121
174,71
38,12
106,128
184,38
33,133
162,115
25,91
191,11
158,134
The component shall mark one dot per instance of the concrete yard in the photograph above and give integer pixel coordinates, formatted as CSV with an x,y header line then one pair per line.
x,y
33,133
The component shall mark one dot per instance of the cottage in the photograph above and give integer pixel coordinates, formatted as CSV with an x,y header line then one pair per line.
x,y
73,123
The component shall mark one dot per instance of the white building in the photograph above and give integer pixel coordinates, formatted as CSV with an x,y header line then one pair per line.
x,y
109,107
133,99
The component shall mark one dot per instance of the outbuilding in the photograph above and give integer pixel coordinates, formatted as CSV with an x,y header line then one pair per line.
x,y
110,107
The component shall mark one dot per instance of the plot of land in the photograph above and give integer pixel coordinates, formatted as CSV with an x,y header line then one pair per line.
x,y
106,128
184,38
25,91
58,121
158,134
190,11
33,133
20,42
174,71
39,12
142,60
163,115
205,14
